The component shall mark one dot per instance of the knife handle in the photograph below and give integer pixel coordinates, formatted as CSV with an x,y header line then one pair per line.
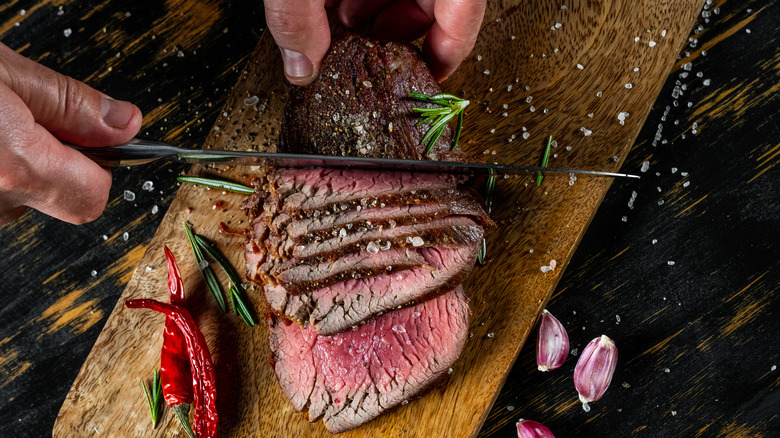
x,y
134,152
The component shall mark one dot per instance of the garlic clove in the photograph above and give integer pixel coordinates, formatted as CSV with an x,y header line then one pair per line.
x,y
552,343
532,429
594,369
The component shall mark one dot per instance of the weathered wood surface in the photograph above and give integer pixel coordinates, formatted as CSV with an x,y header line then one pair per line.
x,y
723,287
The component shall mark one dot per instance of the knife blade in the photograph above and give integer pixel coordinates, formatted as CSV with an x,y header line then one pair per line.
x,y
141,151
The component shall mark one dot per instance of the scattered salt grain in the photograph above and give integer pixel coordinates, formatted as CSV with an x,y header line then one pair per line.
x,y
599,94
706,82
636,39
509,88
670,263
636,69
654,241
398,328
372,247
67,32
663,33
674,413
203,264
632,199
125,236
487,72
510,408
545,269
479,57
579,66
683,173
491,335
129,196
532,108
531,251
105,237
622,117
180,54
687,66
249,101
505,114
529,99
645,166
22,12
774,367
558,25
629,86
747,30
574,352
553,264
155,209
624,218
416,315
417,241
660,202
667,370
617,318
651,44
148,269
148,186
93,273
587,132
686,183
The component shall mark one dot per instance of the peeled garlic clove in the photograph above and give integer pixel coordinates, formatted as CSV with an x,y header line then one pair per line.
x,y
532,429
594,369
552,343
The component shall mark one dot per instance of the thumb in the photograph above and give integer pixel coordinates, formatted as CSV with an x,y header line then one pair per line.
x,y
71,110
300,28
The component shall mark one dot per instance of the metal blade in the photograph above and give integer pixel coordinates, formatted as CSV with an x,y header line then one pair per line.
x,y
309,161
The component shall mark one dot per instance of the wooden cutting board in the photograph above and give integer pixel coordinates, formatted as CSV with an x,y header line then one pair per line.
x,y
586,73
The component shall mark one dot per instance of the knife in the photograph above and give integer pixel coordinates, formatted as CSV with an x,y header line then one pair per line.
x,y
141,151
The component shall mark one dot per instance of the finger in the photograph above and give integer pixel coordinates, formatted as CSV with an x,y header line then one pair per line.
x,y
354,12
453,35
39,172
404,20
69,109
300,28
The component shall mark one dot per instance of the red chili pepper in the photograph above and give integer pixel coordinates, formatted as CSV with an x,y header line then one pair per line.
x,y
174,362
203,376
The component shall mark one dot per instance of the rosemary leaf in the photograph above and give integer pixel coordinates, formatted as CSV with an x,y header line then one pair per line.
x,y
449,107
208,274
153,399
217,184
236,288
545,161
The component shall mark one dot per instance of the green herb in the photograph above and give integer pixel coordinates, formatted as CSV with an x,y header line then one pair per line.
x,y
449,107
545,161
208,274
153,399
236,289
490,186
217,184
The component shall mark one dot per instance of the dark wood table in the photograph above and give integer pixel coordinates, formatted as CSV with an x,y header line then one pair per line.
x,y
679,268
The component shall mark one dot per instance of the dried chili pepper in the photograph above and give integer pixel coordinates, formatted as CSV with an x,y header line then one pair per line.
x,y
203,376
174,361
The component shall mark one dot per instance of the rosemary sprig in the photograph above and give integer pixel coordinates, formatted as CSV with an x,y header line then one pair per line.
x,y
449,107
217,184
153,400
208,274
236,289
545,161
490,186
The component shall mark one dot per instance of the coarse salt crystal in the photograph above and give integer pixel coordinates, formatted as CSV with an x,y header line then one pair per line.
x,y
129,196
706,82
683,173
252,100
526,135
417,241
651,44
155,209
125,236
654,241
670,263
529,99
579,66
148,269
622,117
105,237
148,186
636,69
599,94
93,273
663,33
624,218
487,72
491,335
203,264
67,32
636,39
398,328
553,264
546,269
686,183
629,86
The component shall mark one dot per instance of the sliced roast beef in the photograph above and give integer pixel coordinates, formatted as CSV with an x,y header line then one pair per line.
x,y
359,104
307,190
307,277
354,376
337,307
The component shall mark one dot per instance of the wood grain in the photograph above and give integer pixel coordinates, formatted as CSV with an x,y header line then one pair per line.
x,y
519,46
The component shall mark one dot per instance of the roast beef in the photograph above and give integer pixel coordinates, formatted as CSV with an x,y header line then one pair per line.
x,y
339,306
354,376
359,104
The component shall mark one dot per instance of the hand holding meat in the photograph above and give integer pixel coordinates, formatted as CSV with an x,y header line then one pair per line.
x,y
300,28
39,109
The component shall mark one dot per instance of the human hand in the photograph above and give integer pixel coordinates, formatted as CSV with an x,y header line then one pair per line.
x,y
38,109
300,28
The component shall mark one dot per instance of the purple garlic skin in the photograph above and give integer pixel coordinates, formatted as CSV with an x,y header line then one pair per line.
x,y
552,343
594,369
532,429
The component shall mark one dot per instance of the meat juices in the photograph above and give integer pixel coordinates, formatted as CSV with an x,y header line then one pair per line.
x,y
362,269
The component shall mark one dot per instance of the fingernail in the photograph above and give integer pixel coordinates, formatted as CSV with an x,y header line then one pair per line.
x,y
296,65
116,113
